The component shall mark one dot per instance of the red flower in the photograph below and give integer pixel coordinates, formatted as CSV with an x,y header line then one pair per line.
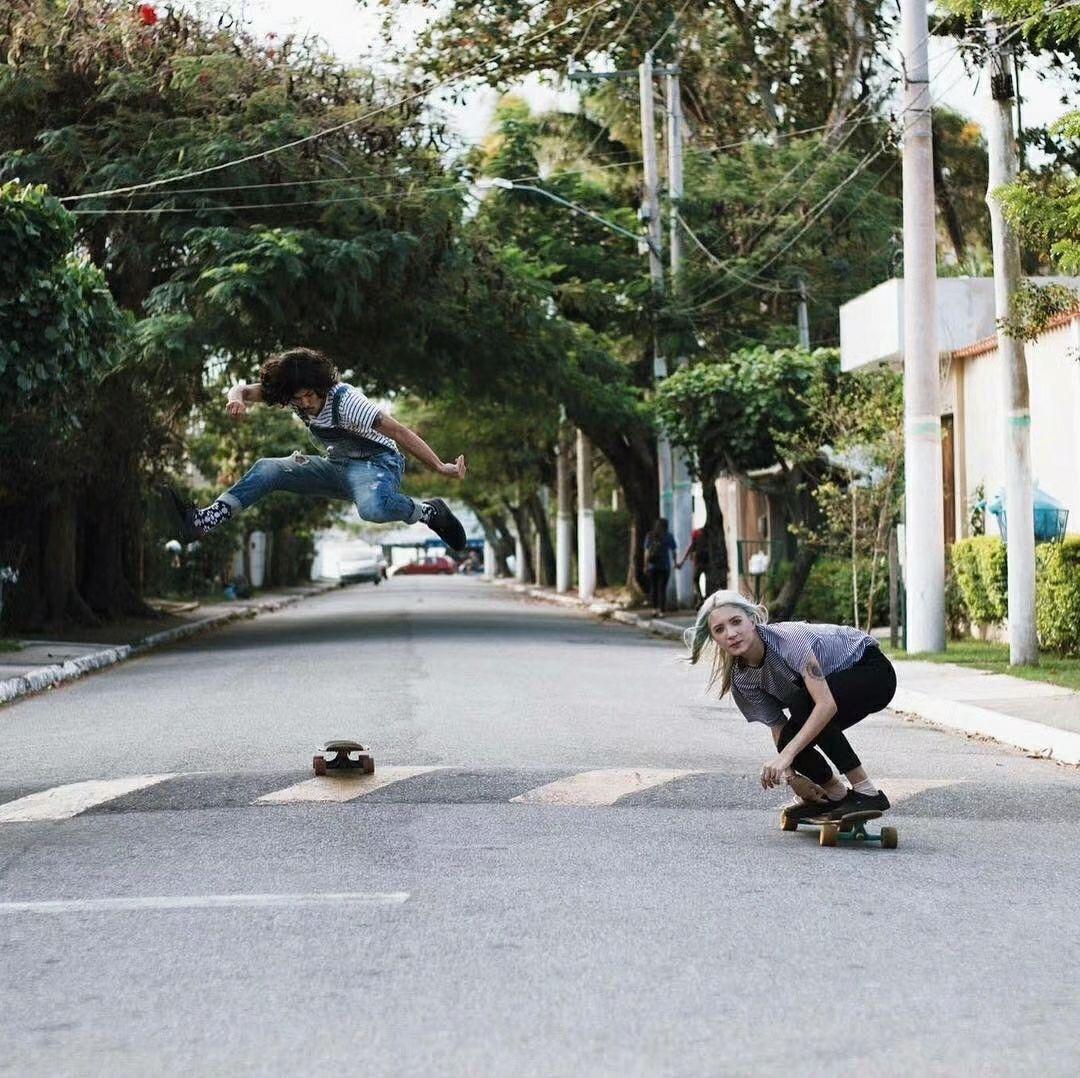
x,y
147,15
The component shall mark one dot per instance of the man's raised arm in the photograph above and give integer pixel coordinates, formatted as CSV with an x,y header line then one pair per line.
x,y
239,397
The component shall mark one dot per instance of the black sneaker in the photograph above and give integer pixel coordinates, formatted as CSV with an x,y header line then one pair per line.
x,y
857,802
183,515
446,526
809,810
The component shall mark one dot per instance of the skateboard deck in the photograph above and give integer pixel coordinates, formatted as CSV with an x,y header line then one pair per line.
x,y
347,756
850,827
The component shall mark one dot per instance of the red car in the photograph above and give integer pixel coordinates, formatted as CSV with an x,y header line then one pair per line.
x,y
431,566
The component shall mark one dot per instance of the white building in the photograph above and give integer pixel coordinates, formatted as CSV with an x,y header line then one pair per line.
x,y
972,408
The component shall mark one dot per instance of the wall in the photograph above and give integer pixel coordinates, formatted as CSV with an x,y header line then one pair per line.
x,y
974,381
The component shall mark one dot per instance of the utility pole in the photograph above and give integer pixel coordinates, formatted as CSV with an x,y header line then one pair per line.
x,y
925,537
564,521
804,316
682,517
586,521
650,218
1019,516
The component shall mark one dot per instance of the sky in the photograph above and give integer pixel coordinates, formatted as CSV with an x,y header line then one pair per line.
x,y
352,33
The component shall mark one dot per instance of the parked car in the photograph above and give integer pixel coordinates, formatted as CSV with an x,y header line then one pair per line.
x,y
429,566
362,565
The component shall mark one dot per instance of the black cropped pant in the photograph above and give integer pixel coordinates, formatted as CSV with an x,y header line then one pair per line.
x,y
866,687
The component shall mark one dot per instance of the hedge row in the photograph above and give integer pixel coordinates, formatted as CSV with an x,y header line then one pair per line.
x,y
826,596
980,571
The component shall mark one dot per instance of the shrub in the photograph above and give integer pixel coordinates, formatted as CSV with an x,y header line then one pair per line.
x,y
1057,595
613,543
980,569
826,596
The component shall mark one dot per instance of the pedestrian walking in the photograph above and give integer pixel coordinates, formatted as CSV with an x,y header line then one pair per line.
x,y
362,463
660,551
697,551
827,677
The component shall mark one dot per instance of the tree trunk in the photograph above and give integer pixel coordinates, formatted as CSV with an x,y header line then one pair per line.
x,y
111,525
498,535
521,527
783,606
535,508
633,460
717,570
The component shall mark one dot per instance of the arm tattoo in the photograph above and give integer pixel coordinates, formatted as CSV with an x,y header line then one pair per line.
x,y
813,669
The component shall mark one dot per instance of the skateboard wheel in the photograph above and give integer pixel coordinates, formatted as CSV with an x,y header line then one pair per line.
x,y
319,763
889,838
829,831
787,823
368,766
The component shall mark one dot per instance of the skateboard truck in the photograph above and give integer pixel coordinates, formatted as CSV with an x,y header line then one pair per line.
x,y
343,758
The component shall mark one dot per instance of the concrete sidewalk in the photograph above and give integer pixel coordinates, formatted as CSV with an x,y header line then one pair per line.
x,y
41,664
1039,718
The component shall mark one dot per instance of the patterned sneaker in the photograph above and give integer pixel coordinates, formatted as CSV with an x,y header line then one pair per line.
x,y
183,515
446,526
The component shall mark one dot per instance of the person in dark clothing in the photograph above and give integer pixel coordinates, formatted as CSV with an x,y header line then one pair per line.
x,y
660,551
697,552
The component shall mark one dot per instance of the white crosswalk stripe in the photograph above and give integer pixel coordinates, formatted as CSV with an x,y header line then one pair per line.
x,y
63,802
337,788
599,788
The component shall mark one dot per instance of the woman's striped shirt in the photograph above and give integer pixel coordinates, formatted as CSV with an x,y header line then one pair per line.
x,y
761,692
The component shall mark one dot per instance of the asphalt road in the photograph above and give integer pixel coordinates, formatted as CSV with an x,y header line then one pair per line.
x,y
567,867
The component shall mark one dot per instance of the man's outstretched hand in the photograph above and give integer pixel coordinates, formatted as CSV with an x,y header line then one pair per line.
x,y
236,409
455,470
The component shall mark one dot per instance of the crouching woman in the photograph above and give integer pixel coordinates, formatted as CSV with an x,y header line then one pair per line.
x,y
826,677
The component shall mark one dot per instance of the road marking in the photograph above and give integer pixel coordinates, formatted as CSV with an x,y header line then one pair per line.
x,y
598,788
206,902
338,788
898,790
63,802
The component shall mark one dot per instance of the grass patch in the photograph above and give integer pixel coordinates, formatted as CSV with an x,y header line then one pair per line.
x,y
982,655
10,645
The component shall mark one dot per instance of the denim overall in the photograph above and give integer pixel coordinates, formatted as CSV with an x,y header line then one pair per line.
x,y
355,469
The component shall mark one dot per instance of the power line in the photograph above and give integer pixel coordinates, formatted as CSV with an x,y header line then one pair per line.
x,y
822,206
353,179
346,123
400,196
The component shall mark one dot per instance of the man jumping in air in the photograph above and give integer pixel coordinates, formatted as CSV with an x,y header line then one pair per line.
x,y
363,463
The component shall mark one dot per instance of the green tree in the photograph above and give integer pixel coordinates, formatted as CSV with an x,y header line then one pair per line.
x,y
348,241
63,338
1044,203
743,413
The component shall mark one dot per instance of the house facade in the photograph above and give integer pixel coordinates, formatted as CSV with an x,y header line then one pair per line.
x,y
972,396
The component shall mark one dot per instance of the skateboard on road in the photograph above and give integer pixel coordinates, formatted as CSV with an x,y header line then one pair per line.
x,y
848,828
343,758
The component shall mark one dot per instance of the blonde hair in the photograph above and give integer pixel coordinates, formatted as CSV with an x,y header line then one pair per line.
x,y
698,638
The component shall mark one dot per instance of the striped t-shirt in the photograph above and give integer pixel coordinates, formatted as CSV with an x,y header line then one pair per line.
x,y
355,413
760,692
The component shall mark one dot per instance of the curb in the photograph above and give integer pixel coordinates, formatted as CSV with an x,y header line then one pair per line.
x,y
603,610
1034,738
49,676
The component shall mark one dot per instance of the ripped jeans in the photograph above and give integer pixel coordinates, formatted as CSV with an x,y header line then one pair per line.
x,y
371,484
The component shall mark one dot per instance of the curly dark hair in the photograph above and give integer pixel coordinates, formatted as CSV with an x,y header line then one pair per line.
x,y
284,375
